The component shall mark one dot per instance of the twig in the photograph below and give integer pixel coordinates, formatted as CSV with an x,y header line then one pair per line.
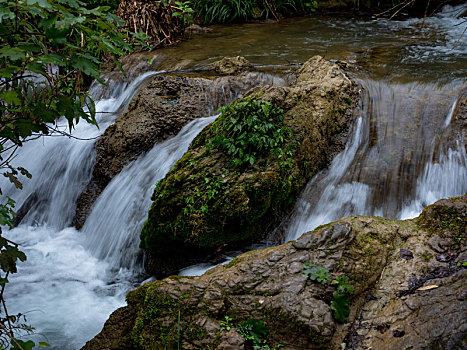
x,y
11,336
63,133
4,305
458,39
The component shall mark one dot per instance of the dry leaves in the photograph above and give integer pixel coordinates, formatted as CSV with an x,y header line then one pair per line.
x,y
153,18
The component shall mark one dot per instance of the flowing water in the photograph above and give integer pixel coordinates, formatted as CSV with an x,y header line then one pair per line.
x,y
405,151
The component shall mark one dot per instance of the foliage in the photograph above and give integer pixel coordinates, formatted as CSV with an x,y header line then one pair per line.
x,y
113,4
7,214
223,11
228,11
253,330
317,272
49,52
198,203
340,302
226,325
249,129
184,11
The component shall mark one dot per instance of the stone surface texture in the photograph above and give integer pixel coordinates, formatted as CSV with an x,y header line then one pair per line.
x,y
401,300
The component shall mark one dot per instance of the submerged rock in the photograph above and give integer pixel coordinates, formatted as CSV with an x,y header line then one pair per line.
x,y
397,303
204,204
158,112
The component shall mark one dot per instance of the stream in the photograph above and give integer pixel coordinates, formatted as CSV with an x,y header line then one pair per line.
x,y
403,153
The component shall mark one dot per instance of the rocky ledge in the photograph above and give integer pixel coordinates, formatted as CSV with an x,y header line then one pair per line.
x,y
403,284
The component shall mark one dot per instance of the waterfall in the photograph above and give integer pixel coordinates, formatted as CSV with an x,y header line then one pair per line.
x,y
404,153
66,268
113,226
401,157
60,166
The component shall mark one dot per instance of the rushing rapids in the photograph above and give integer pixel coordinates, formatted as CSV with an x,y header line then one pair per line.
x,y
412,75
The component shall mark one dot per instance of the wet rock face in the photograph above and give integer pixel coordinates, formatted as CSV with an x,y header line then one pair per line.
x,y
460,117
419,300
401,300
251,200
158,112
231,65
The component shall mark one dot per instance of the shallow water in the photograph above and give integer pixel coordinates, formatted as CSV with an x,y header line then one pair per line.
x,y
419,50
404,153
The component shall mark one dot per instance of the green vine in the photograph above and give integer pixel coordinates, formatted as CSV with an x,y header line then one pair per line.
x,y
344,289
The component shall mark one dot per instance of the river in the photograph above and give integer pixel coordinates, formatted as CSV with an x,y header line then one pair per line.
x,y
404,152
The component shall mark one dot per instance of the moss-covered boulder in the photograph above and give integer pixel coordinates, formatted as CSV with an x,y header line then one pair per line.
x,y
232,185
159,112
406,283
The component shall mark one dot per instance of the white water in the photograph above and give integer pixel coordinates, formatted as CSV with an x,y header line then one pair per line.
x,y
67,287
61,167
113,226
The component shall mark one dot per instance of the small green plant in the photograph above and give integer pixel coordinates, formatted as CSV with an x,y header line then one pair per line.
x,y
227,324
317,272
251,330
254,331
340,304
198,201
183,11
248,129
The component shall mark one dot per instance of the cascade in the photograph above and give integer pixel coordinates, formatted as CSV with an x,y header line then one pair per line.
x,y
401,157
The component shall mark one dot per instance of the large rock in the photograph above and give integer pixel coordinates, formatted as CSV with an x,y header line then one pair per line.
x,y
158,112
243,204
409,280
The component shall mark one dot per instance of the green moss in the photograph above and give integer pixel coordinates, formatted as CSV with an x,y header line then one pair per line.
x,y
185,295
232,263
148,330
446,219
202,204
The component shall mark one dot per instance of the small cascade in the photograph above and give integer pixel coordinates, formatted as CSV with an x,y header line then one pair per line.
x,y
112,229
443,179
402,156
329,193
404,153
62,166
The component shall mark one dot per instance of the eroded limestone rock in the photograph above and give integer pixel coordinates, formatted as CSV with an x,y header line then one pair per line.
x,y
389,310
231,65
